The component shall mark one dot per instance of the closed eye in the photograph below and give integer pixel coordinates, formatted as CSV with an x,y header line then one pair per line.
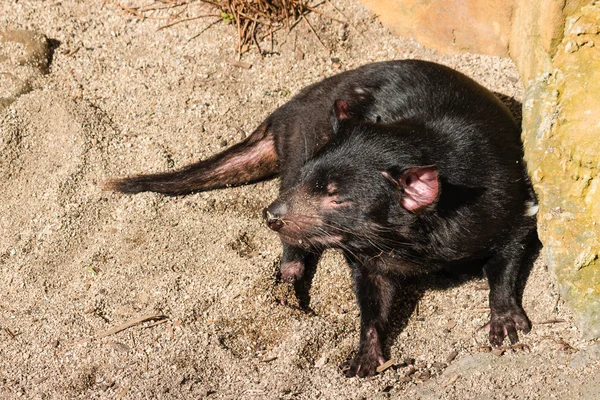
x,y
335,202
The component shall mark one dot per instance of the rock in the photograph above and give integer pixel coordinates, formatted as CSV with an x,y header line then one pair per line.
x,y
35,49
561,125
452,26
585,357
321,362
24,56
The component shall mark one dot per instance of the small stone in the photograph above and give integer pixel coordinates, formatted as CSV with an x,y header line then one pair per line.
x,y
321,362
451,356
119,347
439,365
571,47
498,352
424,375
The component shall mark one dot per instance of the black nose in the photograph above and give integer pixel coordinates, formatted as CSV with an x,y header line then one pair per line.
x,y
274,214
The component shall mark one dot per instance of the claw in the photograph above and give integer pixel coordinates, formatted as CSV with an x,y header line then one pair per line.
x,y
506,324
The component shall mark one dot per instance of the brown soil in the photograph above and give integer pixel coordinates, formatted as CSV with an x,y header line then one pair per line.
x,y
121,97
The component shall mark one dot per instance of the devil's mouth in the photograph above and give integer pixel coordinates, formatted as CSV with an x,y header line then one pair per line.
x,y
313,241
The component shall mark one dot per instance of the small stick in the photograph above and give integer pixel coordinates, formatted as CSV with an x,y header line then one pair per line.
x,y
185,20
256,41
385,366
555,308
323,14
315,32
255,19
450,381
346,17
287,15
123,392
240,64
10,333
153,7
214,3
129,324
237,21
129,10
244,36
204,30
550,321
162,321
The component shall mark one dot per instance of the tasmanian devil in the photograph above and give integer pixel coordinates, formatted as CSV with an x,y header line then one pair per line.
x,y
404,166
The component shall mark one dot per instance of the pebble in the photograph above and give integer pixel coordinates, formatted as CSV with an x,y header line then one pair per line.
x,y
451,356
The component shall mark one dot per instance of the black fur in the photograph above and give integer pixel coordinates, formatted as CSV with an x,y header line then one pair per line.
x,y
406,167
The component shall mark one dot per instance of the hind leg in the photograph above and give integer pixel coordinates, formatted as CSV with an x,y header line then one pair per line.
x,y
298,266
504,272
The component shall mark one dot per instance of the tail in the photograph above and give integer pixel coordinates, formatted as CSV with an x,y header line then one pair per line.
x,y
251,160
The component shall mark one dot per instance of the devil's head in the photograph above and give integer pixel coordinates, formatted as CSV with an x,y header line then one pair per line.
x,y
363,190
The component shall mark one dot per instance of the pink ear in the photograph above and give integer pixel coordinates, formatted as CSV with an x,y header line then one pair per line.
x,y
341,109
421,187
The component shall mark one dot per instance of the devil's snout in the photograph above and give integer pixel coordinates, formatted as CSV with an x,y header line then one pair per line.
x,y
274,214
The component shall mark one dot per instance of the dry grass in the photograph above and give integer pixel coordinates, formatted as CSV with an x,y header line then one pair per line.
x,y
255,19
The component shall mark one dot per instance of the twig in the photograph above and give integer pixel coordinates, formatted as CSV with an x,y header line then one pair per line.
x,y
385,366
239,26
10,333
153,7
162,321
323,14
315,32
129,324
123,392
240,64
204,30
346,18
186,20
549,321
256,41
129,10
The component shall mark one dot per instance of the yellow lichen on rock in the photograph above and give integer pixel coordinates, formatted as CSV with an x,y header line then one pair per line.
x,y
561,131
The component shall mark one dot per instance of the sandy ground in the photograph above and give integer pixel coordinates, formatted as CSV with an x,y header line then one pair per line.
x,y
121,97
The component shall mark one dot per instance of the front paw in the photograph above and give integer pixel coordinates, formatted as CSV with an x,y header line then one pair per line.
x,y
506,323
362,365
291,271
